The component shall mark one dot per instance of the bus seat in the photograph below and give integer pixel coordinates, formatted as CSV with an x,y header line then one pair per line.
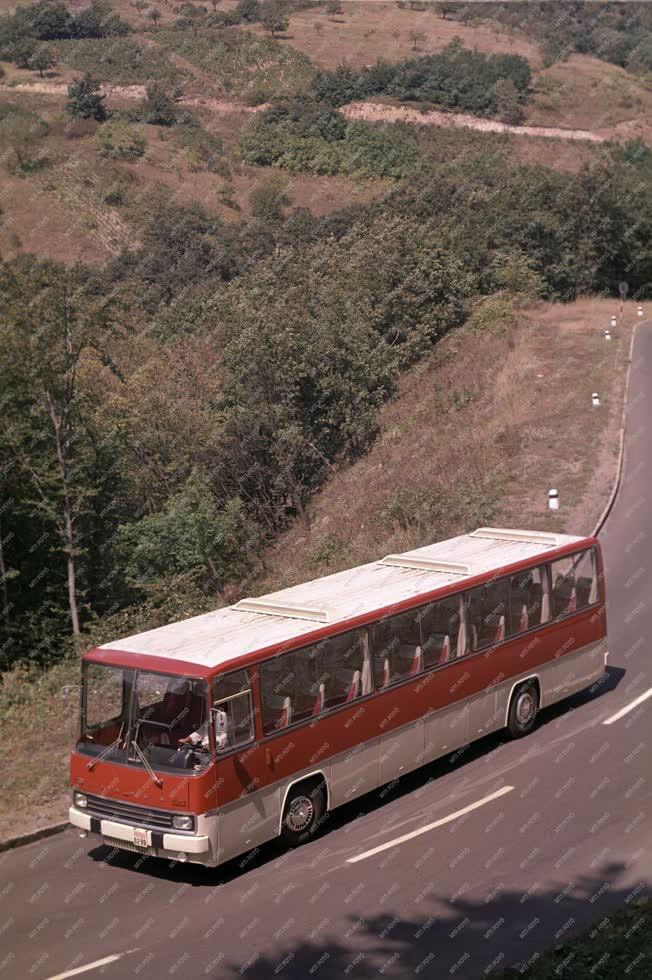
x,y
535,605
286,714
584,589
387,674
417,663
354,687
474,636
318,706
571,606
499,635
524,621
367,683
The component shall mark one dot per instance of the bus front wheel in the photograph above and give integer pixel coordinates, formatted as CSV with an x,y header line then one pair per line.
x,y
523,710
303,811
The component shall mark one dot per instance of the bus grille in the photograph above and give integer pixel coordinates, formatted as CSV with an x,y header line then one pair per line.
x,y
125,845
141,816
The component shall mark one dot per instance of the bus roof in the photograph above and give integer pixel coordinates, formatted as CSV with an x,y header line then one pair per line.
x,y
282,618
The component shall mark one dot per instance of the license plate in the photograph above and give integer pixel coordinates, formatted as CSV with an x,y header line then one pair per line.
x,y
140,837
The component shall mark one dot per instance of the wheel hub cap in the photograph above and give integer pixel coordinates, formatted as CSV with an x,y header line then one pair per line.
x,y
525,708
300,814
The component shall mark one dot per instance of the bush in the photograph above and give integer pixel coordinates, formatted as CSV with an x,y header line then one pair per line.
x,y
256,68
268,199
456,77
85,100
116,140
160,107
120,61
320,141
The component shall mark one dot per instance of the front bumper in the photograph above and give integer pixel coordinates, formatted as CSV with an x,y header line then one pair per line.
x,y
157,840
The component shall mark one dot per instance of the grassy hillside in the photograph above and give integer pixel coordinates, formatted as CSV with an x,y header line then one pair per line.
x,y
474,438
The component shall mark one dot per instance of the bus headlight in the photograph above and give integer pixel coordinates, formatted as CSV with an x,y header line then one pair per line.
x,y
80,800
183,823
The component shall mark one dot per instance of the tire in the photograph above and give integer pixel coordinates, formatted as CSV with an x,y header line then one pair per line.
x,y
523,709
304,808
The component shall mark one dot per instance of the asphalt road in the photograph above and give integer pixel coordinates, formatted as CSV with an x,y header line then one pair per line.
x,y
570,840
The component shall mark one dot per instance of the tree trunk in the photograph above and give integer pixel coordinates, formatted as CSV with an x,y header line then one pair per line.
x,y
3,576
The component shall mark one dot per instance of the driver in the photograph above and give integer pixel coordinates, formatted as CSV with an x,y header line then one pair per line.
x,y
201,736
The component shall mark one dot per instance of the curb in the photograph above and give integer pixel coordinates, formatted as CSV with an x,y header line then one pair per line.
x,y
49,831
621,442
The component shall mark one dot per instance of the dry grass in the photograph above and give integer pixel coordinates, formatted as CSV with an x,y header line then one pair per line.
x,y
365,32
589,94
478,434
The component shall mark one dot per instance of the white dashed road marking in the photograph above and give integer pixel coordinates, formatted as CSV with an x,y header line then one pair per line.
x,y
629,707
430,826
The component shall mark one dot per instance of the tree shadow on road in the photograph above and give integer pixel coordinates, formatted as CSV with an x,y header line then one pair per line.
x,y
455,936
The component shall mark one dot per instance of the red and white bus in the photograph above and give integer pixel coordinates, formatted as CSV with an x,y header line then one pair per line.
x,y
202,739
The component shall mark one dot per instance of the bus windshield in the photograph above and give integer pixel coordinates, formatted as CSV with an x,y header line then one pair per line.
x,y
143,718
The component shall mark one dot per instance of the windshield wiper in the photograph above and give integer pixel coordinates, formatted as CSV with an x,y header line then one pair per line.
x,y
98,758
143,759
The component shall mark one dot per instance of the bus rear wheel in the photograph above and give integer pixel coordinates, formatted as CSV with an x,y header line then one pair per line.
x,y
523,710
304,808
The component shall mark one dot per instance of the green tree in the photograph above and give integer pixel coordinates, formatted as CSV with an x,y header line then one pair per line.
x,y
508,104
23,51
333,8
85,99
640,59
159,107
154,14
43,59
248,11
50,325
274,16
417,38
191,534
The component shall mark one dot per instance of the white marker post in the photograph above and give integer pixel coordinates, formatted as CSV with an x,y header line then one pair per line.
x,y
553,500
640,311
595,399
613,322
607,334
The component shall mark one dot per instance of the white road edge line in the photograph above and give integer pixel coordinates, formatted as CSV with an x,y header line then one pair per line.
x,y
430,826
92,966
629,707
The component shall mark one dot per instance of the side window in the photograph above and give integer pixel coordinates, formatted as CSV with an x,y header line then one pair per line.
x,y
231,710
343,669
488,610
289,689
396,646
574,583
442,640
529,600
586,578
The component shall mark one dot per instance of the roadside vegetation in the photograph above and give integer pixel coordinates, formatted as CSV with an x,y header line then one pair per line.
x,y
618,945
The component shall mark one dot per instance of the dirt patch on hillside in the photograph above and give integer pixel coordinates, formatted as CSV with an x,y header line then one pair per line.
x,y
382,112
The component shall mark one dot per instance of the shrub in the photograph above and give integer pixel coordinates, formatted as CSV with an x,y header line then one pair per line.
x,y
85,100
160,107
456,77
116,140
120,61
268,199
78,128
